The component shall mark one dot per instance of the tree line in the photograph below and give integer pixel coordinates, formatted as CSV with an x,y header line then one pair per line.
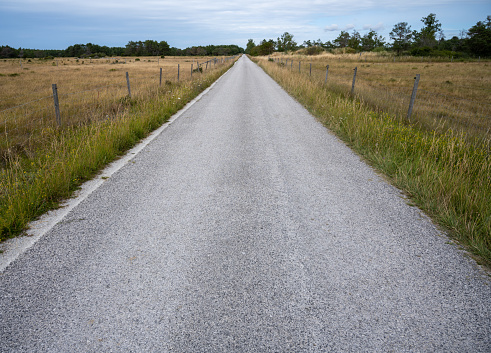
x,y
133,48
428,41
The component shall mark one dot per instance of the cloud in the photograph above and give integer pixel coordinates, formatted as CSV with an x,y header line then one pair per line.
x,y
331,28
179,22
379,26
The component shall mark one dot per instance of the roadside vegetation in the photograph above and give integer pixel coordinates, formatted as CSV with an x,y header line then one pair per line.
x,y
42,162
440,159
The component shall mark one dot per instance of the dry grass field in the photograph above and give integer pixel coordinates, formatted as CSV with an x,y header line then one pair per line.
x,y
42,161
88,89
451,95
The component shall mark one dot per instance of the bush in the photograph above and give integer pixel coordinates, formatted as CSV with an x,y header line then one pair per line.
x,y
379,50
314,50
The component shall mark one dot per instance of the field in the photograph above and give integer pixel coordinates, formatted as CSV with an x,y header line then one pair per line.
x,y
44,159
88,89
451,95
441,157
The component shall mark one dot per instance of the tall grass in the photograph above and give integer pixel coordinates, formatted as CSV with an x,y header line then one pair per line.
x,y
443,172
450,95
34,182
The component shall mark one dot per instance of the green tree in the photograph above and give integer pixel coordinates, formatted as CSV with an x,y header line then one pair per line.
x,y
286,42
479,41
354,40
342,40
428,34
250,45
372,40
402,35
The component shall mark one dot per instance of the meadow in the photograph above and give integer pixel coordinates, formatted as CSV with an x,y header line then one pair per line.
x,y
451,94
89,90
42,161
441,157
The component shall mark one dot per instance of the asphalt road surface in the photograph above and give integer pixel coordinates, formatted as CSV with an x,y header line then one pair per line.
x,y
245,226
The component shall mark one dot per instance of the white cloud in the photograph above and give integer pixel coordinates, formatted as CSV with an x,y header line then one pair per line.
x,y
379,26
349,26
331,28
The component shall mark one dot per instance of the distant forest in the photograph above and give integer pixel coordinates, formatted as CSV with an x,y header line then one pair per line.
x,y
145,48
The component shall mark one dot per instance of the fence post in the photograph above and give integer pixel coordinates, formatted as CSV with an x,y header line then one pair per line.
x,y
57,104
178,69
291,65
354,79
191,70
310,69
128,84
327,70
299,67
160,82
413,97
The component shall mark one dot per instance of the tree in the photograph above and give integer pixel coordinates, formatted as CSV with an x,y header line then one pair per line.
x,y
427,35
307,43
286,42
264,48
401,35
342,40
354,40
479,41
250,45
372,40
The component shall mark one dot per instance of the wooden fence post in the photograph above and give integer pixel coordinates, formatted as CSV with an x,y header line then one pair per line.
x,y
128,84
299,67
191,70
310,69
327,70
413,97
178,69
354,79
160,82
57,104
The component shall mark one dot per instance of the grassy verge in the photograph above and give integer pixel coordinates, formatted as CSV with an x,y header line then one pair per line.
x,y
443,173
33,184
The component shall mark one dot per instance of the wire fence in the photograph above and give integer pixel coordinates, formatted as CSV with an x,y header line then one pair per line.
x,y
108,95
434,109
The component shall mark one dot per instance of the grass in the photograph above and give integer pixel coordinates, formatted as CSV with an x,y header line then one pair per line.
x,y
43,163
451,95
443,170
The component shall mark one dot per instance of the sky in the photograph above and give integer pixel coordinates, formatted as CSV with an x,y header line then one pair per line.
x,y
57,24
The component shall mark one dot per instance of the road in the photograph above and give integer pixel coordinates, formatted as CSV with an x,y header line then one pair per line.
x,y
245,226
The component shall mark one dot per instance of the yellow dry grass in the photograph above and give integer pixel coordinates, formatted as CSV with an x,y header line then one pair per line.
x,y
451,95
89,90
